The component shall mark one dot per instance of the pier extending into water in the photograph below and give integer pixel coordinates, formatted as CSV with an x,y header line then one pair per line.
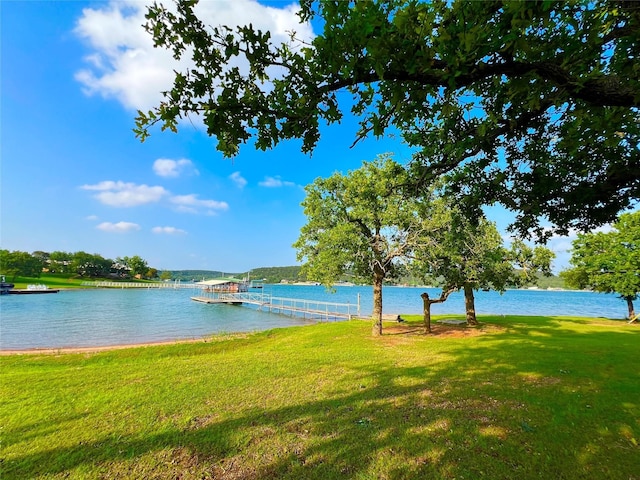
x,y
312,309
173,285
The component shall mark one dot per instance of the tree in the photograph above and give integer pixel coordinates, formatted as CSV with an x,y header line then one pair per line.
x,y
531,104
609,262
359,223
61,262
151,273
43,256
427,302
528,263
90,265
20,263
469,255
136,265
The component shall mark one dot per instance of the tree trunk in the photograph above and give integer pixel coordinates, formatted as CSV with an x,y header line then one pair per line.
x,y
470,305
426,307
378,278
632,313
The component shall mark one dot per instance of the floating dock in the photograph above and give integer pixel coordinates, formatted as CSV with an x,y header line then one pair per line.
x,y
312,309
27,291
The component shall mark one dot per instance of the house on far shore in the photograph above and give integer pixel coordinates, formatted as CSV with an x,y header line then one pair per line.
x,y
224,285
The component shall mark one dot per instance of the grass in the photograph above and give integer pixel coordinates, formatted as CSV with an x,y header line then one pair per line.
x,y
523,397
61,280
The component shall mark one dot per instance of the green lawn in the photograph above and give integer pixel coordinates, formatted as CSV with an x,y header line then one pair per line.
x,y
61,280
527,397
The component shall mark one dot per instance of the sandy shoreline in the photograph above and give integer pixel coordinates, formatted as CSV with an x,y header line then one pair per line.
x,y
96,349
105,348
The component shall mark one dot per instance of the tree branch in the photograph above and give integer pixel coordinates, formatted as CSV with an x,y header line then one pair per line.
x,y
605,90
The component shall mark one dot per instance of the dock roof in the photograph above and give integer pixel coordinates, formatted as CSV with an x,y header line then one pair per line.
x,y
220,281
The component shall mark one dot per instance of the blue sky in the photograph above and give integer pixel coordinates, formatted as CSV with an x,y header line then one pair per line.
x,y
74,177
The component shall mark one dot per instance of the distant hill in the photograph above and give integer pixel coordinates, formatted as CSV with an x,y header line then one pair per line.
x,y
292,274
268,274
554,281
277,274
199,275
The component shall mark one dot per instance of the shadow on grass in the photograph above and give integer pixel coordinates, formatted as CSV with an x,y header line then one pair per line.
x,y
517,404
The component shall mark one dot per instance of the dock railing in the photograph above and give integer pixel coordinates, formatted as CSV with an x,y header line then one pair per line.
x,y
173,285
312,309
255,298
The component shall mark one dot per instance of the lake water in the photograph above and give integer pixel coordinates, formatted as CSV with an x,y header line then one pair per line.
x,y
76,318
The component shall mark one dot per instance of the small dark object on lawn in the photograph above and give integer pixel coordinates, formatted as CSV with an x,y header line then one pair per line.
x,y
400,319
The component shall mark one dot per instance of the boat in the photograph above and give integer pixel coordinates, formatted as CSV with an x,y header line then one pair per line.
x,y
5,287
33,289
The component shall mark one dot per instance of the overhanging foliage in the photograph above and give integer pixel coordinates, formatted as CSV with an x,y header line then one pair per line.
x,y
530,104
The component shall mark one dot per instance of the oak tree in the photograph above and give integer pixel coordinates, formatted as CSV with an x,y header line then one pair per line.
x,y
468,254
14,263
609,262
361,224
90,264
136,266
61,262
530,104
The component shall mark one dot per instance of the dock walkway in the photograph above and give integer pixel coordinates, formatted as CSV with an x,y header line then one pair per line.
x,y
312,309
148,285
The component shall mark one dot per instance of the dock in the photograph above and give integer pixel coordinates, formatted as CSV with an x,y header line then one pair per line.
x,y
311,309
148,285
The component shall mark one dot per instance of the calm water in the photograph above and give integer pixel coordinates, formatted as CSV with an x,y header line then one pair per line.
x,y
110,317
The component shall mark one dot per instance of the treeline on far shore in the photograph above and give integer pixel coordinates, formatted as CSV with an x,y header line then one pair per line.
x,y
74,264
292,274
94,266
265,274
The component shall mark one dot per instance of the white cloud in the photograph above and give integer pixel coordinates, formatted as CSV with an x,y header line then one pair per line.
x,y
124,64
165,167
168,230
127,194
275,182
121,194
120,227
91,218
238,179
192,204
